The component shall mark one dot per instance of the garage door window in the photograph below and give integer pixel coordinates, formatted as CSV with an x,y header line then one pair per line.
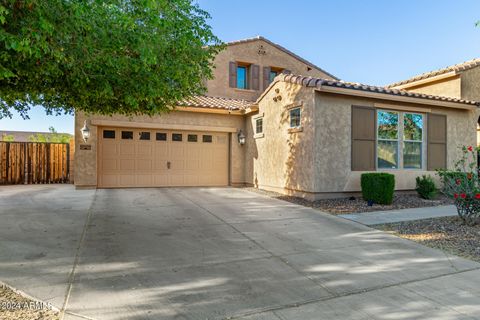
x,y
109,134
127,135
207,138
144,135
192,138
161,136
177,137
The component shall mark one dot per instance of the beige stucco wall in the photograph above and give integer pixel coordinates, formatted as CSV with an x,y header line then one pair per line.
x,y
248,53
450,87
86,160
281,160
333,147
471,84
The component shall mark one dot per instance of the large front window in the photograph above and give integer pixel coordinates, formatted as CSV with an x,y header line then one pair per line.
x,y
412,140
399,140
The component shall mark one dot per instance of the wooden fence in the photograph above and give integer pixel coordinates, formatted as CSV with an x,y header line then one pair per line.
x,y
34,162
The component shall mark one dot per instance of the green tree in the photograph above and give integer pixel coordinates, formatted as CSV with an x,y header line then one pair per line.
x,y
54,136
8,138
110,56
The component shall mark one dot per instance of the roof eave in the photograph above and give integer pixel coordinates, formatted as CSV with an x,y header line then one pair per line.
x,y
397,98
206,109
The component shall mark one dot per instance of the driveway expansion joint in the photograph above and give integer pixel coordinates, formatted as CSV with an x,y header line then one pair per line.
x,y
76,261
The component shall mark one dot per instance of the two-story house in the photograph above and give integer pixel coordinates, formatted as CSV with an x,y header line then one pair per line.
x,y
276,121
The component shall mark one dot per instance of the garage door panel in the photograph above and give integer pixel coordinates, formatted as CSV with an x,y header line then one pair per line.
x,y
176,180
126,180
110,150
109,180
109,165
161,150
191,180
144,180
144,150
160,165
177,149
160,180
127,148
177,165
143,163
127,164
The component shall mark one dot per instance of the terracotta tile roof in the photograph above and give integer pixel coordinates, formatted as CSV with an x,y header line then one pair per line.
x,y
317,82
216,103
282,49
455,68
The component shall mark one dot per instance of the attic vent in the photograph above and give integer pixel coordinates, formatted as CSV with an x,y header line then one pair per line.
x,y
261,50
309,69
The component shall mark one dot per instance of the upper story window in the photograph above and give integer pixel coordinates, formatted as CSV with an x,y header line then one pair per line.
x,y
242,77
399,133
295,118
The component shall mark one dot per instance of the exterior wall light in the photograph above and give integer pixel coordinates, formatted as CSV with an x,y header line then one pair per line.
x,y
85,131
241,137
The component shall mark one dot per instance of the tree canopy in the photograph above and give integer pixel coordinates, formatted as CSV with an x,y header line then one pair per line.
x,y
110,56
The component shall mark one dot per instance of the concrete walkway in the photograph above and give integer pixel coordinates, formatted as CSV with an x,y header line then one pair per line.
x,y
218,253
392,216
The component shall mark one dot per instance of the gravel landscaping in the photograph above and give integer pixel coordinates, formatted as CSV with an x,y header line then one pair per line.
x,y
14,306
449,234
357,204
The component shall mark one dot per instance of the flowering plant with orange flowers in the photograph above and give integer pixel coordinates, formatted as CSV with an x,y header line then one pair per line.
x,y
463,185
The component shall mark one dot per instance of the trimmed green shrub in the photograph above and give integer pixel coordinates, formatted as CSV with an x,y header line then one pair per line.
x,y
378,187
426,187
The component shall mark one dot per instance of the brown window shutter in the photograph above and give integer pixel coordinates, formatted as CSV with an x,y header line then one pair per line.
x,y
266,77
255,71
436,141
363,138
232,74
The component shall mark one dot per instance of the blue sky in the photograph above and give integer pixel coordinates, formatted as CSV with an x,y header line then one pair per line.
x,y
369,41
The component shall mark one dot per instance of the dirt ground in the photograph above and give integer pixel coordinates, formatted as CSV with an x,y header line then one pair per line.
x,y
449,234
14,306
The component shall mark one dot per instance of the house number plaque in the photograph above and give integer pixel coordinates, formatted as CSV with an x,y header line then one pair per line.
x,y
85,147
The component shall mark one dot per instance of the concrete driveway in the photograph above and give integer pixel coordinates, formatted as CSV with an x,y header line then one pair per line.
x,y
215,253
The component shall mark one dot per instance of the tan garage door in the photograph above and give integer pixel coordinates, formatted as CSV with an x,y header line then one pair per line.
x,y
155,158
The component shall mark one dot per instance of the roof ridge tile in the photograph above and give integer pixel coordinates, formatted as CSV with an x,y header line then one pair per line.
x,y
463,66
306,80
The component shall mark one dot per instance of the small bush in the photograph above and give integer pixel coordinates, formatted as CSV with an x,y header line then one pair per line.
x,y
378,187
426,187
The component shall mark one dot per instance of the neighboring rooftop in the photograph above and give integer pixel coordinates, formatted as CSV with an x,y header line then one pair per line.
x,y
216,103
455,69
321,83
284,50
22,136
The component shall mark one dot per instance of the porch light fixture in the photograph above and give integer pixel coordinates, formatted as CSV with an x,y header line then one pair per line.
x,y
85,131
241,137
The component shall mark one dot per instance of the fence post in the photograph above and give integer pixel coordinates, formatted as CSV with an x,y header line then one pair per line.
x,y
25,164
